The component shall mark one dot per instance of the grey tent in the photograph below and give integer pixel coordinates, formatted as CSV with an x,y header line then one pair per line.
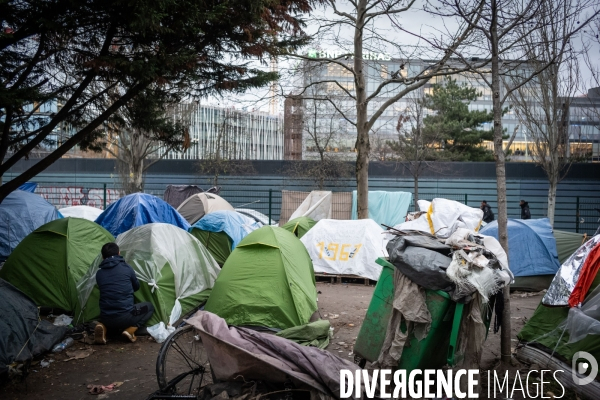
x,y
198,205
23,335
567,243
177,194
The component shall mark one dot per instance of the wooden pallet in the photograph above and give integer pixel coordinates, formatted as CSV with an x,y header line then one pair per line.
x,y
338,278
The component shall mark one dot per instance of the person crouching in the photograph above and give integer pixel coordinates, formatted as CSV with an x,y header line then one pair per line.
x,y
117,282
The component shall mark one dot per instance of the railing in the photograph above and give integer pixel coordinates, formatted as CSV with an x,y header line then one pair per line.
x,y
579,214
588,215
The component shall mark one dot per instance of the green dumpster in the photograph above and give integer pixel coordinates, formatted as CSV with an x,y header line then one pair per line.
x,y
434,351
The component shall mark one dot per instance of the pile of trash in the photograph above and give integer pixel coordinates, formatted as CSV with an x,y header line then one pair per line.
x,y
441,250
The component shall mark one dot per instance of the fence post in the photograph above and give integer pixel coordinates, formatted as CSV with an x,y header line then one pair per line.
x,y
577,216
270,203
466,199
104,199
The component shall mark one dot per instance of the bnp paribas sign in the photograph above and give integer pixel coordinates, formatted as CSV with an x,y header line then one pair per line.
x,y
367,55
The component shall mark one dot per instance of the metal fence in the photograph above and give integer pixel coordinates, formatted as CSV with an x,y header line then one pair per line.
x,y
579,214
588,215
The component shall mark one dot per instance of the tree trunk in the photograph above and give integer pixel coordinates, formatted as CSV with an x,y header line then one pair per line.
x,y
499,156
552,198
138,177
363,145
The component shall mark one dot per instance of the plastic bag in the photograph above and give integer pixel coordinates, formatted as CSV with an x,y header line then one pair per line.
x,y
160,332
62,320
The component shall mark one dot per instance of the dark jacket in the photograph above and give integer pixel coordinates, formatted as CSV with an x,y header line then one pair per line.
x,y
525,213
117,282
488,215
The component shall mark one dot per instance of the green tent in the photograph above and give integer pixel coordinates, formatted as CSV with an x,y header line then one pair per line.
x,y
175,271
541,329
299,226
47,264
567,243
268,280
218,244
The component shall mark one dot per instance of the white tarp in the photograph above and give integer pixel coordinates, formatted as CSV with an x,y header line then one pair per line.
x,y
85,212
444,217
346,247
317,206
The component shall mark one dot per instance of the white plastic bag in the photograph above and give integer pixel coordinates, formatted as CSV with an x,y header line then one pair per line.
x,y
160,332
62,320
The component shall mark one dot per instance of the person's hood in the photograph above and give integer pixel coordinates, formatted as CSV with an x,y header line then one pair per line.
x,y
524,204
111,262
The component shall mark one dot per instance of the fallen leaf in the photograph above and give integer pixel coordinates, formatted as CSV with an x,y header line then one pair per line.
x,y
78,354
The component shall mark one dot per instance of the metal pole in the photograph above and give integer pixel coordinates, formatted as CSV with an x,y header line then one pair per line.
x,y
270,203
577,216
104,207
466,198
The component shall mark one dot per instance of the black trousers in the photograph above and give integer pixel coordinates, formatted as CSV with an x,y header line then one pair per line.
x,y
138,317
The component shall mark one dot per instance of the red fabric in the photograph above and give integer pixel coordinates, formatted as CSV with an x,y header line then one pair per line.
x,y
586,277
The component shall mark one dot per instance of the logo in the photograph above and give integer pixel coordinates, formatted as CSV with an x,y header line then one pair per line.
x,y
584,364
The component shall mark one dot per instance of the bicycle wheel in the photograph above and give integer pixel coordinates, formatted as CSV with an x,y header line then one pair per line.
x,y
182,366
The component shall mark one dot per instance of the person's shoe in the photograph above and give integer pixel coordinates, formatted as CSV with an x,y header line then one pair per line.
x,y
129,333
100,333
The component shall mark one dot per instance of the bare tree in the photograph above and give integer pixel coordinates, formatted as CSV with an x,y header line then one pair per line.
x,y
324,139
590,109
542,105
416,147
224,154
502,27
348,70
143,132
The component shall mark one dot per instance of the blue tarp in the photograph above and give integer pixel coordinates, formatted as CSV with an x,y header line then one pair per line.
x,y
388,208
139,209
28,187
20,214
531,246
234,224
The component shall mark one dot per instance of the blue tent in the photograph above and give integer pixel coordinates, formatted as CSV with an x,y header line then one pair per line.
x,y
234,224
28,187
20,214
139,209
531,246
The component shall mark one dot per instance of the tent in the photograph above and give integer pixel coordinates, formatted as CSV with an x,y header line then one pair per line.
x,y
23,335
175,270
532,252
47,264
28,187
198,205
177,194
389,208
139,209
85,212
346,247
221,231
299,226
567,243
554,333
317,205
268,281
20,214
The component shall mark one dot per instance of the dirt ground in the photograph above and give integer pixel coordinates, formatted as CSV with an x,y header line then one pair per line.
x,y
134,364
